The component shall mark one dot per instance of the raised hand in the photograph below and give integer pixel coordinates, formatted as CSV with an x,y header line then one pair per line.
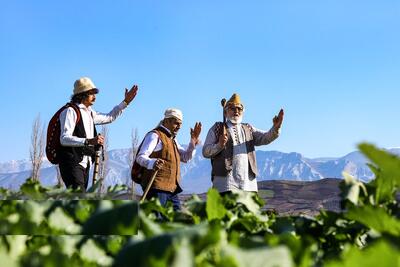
x,y
195,133
130,95
277,120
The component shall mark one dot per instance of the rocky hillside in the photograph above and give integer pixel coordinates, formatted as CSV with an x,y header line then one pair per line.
x,y
297,197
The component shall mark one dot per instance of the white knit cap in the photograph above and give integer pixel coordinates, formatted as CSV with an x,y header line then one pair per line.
x,y
84,84
173,113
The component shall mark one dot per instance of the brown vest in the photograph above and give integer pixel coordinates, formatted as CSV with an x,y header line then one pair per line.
x,y
168,177
222,162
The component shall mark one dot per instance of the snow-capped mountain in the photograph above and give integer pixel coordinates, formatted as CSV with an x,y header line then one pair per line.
x,y
272,165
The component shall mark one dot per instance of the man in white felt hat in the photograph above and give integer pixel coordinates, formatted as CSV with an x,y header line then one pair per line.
x,y
78,132
231,147
159,151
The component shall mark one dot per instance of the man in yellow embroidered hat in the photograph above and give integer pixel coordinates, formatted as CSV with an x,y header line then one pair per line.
x,y
78,135
231,147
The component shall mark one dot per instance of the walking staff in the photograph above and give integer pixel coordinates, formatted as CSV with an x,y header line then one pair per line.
x,y
99,149
157,164
149,184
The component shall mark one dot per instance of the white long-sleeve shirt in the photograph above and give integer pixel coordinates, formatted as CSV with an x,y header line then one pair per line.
x,y
89,118
240,178
152,143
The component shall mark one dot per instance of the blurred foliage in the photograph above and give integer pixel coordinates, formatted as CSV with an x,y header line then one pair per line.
x,y
53,227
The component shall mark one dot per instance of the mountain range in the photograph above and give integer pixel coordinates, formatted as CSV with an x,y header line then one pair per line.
x,y
272,165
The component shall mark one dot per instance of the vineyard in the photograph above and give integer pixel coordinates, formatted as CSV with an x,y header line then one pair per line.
x,y
56,227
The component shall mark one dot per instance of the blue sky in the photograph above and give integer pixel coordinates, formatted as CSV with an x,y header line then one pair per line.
x,y
334,66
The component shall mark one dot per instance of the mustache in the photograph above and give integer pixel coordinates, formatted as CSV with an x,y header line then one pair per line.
x,y
235,116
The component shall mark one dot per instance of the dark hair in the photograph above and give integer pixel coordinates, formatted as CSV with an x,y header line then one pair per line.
x,y
79,97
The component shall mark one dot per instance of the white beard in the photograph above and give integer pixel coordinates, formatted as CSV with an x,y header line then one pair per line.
x,y
236,120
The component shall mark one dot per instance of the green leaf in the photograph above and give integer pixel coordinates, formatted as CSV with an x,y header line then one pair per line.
x,y
94,188
153,207
83,210
196,207
260,256
353,187
17,245
214,206
62,222
148,227
6,259
283,225
90,251
68,244
37,209
33,190
160,247
184,254
375,218
388,179
119,220
381,254
249,200
115,243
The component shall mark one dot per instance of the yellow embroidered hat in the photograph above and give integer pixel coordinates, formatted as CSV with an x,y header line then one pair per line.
x,y
234,100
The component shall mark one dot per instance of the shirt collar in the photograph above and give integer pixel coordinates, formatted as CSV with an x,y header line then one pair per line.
x,y
82,106
166,129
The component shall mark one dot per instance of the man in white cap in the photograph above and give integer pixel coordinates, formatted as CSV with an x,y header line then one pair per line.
x,y
159,151
78,132
231,147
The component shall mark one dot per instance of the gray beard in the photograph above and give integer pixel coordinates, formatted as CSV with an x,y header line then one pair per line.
x,y
236,120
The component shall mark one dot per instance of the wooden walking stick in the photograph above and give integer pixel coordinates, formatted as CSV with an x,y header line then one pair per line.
x,y
149,186
96,167
96,163
223,103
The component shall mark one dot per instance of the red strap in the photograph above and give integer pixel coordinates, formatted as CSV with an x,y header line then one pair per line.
x,y
76,108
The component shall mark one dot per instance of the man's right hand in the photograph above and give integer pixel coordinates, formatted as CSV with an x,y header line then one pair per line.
x,y
130,95
223,138
277,120
98,140
158,164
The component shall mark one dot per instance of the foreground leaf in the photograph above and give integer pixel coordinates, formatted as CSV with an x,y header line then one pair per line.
x,y
375,218
259,257
381,254
388,176
214,206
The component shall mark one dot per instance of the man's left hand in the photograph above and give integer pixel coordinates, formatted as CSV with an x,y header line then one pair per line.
x,y
278,119
195,133
130,95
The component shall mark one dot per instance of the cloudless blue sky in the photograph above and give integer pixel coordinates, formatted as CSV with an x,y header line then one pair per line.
x,y
334,66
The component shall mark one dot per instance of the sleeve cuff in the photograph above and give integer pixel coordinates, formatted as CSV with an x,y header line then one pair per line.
x,y
151,163
277,131
191,146
123,104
